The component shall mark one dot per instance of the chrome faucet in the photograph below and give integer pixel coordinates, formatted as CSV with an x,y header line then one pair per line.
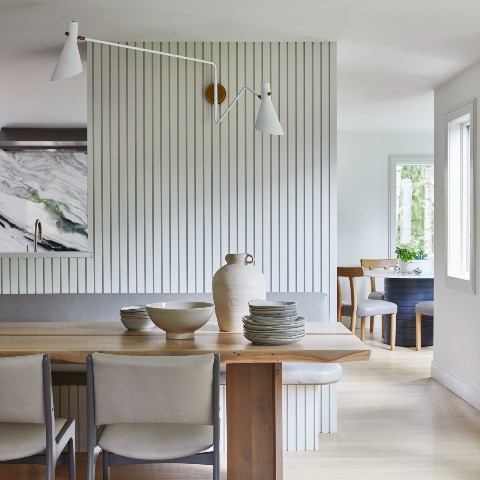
x,y
38,233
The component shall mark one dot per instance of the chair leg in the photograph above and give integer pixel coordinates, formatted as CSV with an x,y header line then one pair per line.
x,y
216,464
393,330
418,328
91,460
383,327
353,321
372,320
50,472
362,329
106,468
50,465
71,459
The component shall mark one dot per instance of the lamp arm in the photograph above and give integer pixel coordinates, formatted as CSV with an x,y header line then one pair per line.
x,y
156,52
234,101
182,57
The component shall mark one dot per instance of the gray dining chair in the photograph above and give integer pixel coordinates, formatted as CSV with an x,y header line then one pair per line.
x,y
362,308
152,410
377,264
422,308
29,433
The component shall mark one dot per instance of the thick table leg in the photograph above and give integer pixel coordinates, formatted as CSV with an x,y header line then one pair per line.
x,y
254,421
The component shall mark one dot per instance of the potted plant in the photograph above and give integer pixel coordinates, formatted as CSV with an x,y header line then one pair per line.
x,y
406,254
423,262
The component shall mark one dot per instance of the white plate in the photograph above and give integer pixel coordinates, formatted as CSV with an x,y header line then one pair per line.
x,y
300,333
274,317
280,311
274,335
269,311
272,341
273,313
255,322
273,328
271,303
273,321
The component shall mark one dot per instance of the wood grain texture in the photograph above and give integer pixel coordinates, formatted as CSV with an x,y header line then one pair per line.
x,y
116,328
254,400
76,340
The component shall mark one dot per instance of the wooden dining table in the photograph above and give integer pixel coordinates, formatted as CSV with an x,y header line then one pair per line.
x,y
254,373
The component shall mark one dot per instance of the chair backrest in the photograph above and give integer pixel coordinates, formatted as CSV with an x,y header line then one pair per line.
x,y
371,264
152,389
351,273
22,397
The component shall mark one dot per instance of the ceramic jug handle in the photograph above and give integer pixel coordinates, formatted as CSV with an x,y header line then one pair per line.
x,y
248,259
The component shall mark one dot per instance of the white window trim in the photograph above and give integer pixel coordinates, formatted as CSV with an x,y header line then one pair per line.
x,y
457,112
394,161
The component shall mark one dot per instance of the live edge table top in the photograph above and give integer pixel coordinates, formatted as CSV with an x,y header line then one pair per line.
x,y
70,342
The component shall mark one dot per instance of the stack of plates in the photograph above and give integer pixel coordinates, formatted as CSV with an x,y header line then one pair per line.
x,y
273,323
135,318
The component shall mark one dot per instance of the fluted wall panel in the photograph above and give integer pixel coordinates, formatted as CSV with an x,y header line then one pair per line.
x,y
171,192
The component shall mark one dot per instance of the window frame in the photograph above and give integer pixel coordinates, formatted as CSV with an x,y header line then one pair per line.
x,y
452,115
394,161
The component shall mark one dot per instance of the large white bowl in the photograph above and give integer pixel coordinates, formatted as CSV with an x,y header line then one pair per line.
x,y
180,319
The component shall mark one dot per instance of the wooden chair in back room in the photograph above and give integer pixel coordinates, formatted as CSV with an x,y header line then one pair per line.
x,y
382,264
362,308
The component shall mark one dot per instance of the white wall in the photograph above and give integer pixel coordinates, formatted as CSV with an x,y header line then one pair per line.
x,y
363,190
29,99
456,361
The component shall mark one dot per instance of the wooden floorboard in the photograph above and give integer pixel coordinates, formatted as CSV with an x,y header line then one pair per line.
x,y
394,423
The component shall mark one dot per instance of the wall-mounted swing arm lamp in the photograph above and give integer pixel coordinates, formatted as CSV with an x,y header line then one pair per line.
x,y
69,64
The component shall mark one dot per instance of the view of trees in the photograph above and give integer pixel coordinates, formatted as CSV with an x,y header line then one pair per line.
x,y
415,186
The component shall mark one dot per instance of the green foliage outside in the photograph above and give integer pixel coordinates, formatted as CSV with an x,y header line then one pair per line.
x,y
409,252
422,232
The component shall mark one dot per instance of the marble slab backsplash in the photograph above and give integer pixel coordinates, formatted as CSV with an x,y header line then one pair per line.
x,y
47,185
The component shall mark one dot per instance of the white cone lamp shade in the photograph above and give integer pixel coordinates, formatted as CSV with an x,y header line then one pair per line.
x,y
69,63
267,119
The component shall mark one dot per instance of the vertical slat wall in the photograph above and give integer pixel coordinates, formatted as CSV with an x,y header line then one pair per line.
x,y
171,192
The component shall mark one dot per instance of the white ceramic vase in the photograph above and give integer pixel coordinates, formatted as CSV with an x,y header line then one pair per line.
x,y
233,286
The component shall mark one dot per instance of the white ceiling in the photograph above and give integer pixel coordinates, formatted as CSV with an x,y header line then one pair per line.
x,y
391,54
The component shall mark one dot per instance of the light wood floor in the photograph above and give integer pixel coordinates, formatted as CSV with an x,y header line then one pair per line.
x,y
395,422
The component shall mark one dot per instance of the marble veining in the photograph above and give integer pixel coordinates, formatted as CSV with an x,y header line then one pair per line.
x,y
50,185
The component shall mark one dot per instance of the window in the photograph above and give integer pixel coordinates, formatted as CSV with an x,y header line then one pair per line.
x,y
411,202
459,190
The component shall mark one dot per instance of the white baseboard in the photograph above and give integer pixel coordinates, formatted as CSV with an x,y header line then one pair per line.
x,y
466,391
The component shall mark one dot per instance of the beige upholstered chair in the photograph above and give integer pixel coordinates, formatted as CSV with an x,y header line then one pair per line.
x,y
362,308
372,264
422,308
152,410
29,433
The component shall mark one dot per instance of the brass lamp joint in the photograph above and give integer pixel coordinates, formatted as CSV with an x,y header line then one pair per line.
x,y
79,37
269,94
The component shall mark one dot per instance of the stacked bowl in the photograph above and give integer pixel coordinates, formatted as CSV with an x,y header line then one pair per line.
x,y
135,318
273,323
